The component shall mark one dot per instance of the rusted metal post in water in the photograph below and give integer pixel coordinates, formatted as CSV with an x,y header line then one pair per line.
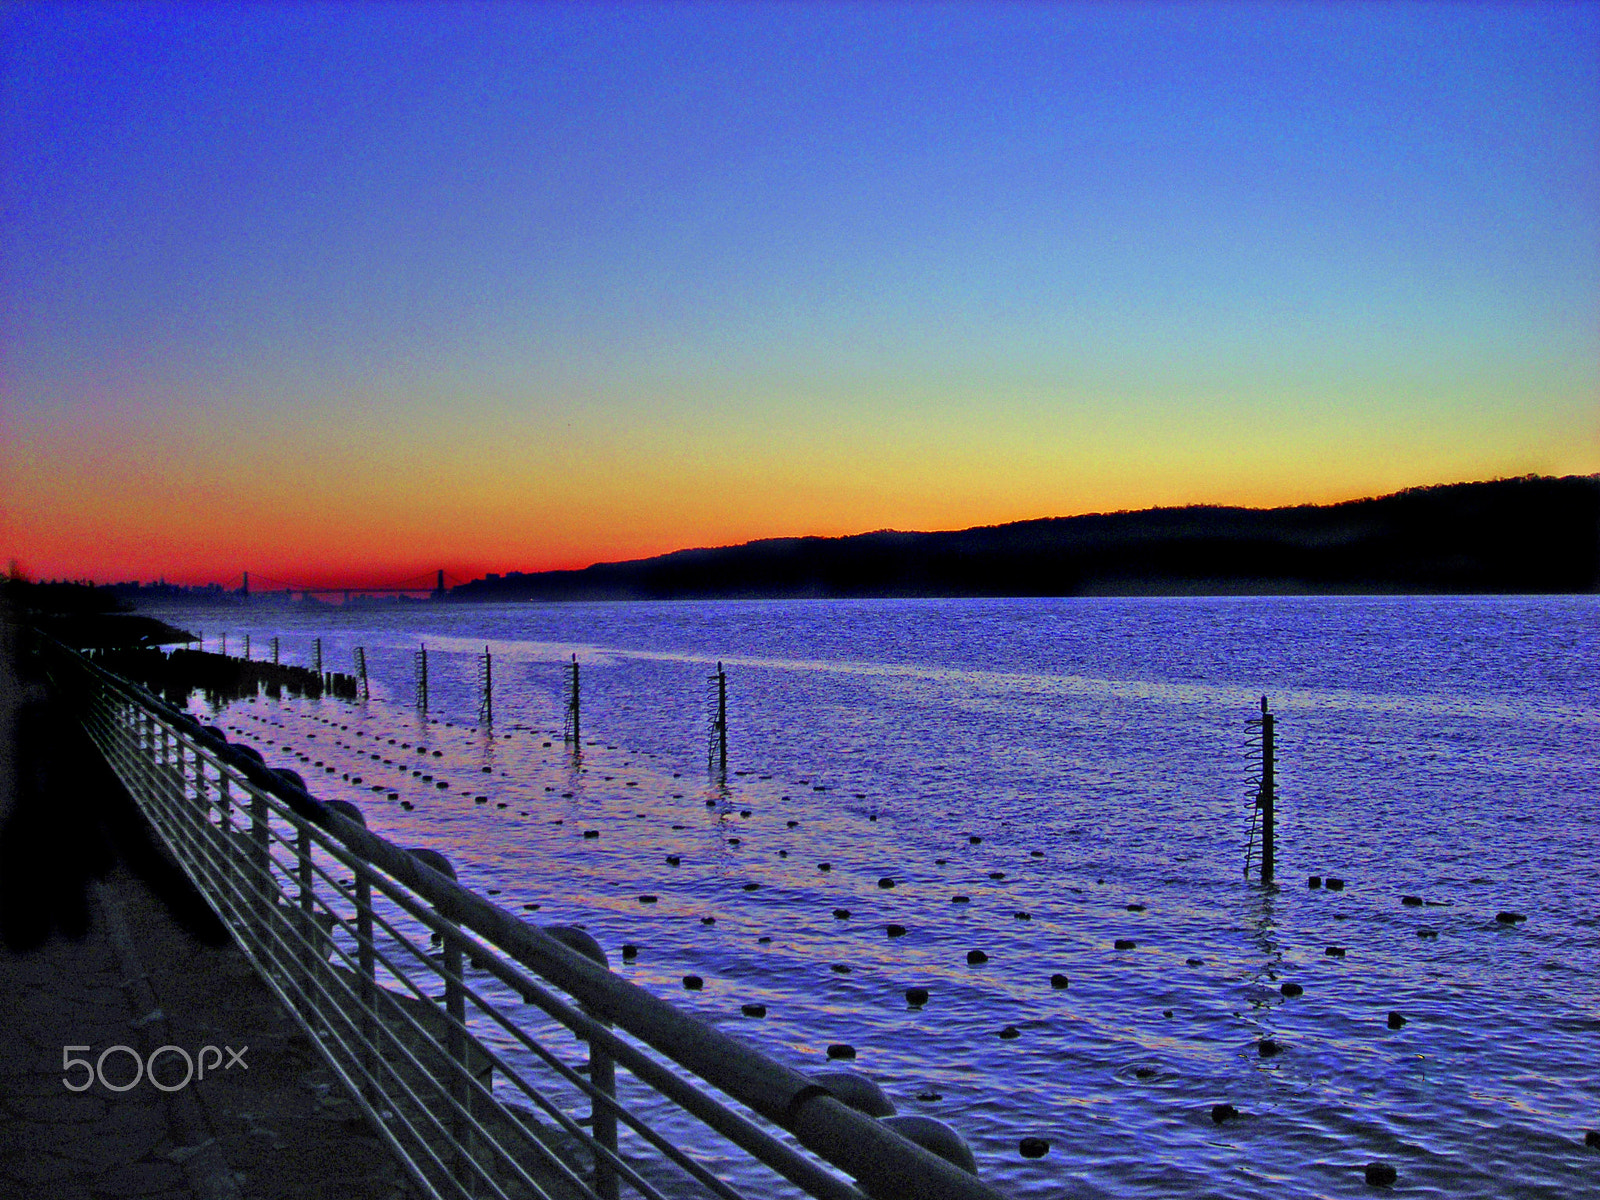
x,y
486,689
316,653
422,679
274,651
361,670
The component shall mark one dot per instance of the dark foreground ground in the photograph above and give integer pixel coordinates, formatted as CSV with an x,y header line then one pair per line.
x,y
102,944
275,1127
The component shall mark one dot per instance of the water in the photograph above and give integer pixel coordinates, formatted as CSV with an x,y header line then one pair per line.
x,y
1444,748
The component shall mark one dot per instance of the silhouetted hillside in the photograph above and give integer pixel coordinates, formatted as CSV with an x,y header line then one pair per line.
x,y
1532,534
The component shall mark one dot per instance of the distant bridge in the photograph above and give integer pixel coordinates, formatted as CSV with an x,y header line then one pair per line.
x,y
431,584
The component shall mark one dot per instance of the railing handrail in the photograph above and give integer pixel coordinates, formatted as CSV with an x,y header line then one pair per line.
x,y
883,1162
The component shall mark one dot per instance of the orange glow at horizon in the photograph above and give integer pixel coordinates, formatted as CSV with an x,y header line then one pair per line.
x,y
129,512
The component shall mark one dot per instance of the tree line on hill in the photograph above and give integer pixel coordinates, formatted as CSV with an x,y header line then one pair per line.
x,y
1533,534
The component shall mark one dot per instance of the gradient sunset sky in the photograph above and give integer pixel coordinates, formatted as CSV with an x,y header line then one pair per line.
x,y
354,292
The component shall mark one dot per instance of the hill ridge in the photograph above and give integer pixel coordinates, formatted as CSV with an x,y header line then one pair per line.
x,y
1526,534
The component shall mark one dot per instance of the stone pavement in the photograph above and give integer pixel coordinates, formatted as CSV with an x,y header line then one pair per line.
x,y
58,1143
274,1126
103,943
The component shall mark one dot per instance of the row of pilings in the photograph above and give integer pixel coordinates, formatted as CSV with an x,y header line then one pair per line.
x,y
221,678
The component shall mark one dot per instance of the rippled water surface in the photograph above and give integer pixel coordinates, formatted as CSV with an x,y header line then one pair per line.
x,y
1080,771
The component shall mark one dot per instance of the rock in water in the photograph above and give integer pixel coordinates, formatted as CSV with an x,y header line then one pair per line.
x,y
1381,1174
1033,1147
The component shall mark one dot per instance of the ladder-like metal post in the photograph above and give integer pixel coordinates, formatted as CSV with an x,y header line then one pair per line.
x,y
486,688
1268,787
718,749
572,727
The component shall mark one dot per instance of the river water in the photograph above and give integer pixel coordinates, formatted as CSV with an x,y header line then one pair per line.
x,y
1081,771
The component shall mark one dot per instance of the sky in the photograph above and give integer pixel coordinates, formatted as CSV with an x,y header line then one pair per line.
x,y
342,293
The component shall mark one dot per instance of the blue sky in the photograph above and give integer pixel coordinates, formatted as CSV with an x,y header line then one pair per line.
x,y
525,285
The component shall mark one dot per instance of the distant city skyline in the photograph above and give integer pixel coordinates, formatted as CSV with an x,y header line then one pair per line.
x,y
357,292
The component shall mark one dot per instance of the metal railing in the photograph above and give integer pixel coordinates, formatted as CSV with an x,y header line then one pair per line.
x,y
435,1007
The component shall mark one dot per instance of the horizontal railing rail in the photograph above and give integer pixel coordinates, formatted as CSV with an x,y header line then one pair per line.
x,y
434,1006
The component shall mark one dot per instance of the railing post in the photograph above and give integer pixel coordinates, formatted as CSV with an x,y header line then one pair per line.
x,y
602,1068
147,746
261,861
603,1119
308,923
200,800
230,840
175,764
368,960
455,1007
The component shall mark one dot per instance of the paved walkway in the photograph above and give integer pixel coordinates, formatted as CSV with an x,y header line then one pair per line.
x,y
273,1125
103,944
